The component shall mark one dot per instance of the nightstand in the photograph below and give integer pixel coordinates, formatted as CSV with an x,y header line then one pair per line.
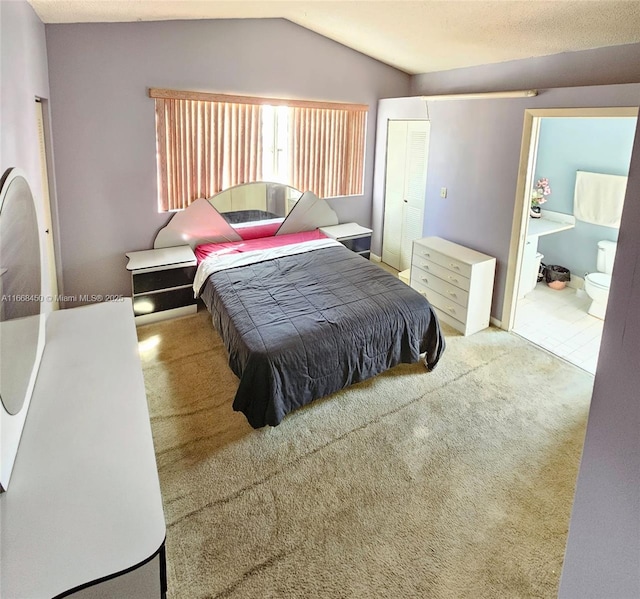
x,y
161,283
352,236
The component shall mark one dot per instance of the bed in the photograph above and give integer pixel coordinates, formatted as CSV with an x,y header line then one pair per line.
x,y
302,316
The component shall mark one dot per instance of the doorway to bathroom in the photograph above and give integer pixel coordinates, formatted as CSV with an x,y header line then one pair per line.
x,y
574,167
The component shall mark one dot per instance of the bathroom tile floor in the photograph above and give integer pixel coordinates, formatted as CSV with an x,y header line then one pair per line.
x,y
558,321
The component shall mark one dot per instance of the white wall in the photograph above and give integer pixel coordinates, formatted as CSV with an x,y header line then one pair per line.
x,y
601,66
104,122
23,76
603,549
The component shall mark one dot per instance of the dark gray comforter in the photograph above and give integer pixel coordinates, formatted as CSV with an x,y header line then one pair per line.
x,y
301,327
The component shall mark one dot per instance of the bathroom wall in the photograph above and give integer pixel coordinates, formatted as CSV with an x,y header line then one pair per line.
x,y
601,145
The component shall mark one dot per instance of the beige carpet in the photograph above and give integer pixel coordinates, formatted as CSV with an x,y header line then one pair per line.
x,y
456,483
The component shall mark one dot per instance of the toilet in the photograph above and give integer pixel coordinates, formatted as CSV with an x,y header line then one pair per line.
x,y
597,284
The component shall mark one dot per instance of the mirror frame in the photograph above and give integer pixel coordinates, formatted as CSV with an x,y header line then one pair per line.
x,y
11,425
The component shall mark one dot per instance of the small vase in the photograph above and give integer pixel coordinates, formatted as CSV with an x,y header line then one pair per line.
x,y
535,212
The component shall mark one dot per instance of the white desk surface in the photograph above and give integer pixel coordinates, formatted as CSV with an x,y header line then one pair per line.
x,y
181,254
84,498
345,230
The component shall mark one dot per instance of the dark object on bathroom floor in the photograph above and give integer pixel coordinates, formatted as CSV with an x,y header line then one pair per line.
x,y
542,271
557,276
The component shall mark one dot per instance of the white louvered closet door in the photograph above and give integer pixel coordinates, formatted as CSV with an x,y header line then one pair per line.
x,y
394,192
414,187
405,186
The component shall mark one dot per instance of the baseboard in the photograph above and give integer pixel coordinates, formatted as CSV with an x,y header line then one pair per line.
x,y
495,322
374,258
576,282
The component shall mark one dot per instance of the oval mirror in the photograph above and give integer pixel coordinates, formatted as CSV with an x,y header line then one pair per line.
x,y
251,202
20,289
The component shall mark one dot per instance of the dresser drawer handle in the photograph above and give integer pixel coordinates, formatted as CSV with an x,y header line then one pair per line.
x,y
453,279
452,294
424,279
451,309
452,265
426,254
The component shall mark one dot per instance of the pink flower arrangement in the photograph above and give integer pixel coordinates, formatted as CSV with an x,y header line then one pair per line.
x,y
540,192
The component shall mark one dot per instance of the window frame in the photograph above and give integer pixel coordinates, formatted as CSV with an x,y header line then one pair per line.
x,y
169,94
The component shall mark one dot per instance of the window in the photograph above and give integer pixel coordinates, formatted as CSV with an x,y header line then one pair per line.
x,y
209,142
275,144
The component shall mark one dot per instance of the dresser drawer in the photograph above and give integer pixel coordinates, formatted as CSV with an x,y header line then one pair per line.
x,y
456,324
423,281
144,282
447,262
446,305
357,244
163,300
441,272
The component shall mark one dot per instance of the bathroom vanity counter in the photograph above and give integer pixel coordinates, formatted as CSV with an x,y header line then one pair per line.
x,y
550,222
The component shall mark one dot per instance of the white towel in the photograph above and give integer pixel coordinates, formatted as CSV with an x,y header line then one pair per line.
x,y
598,198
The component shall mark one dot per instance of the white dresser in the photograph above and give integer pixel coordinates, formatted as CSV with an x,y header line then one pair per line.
x,y
457,281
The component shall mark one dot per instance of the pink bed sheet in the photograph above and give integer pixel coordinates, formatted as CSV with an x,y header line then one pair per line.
x,y
238,247
258,231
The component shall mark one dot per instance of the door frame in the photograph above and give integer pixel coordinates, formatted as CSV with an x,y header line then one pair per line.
x,y
50,213
528,152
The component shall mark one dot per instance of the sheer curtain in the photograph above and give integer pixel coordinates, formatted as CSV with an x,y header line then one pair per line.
x,y
204,147
327,150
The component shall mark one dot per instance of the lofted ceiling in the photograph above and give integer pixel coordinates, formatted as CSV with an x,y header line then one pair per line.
x,y
419,36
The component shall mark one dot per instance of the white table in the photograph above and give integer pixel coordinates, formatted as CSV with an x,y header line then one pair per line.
x,y
352,235
83,511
